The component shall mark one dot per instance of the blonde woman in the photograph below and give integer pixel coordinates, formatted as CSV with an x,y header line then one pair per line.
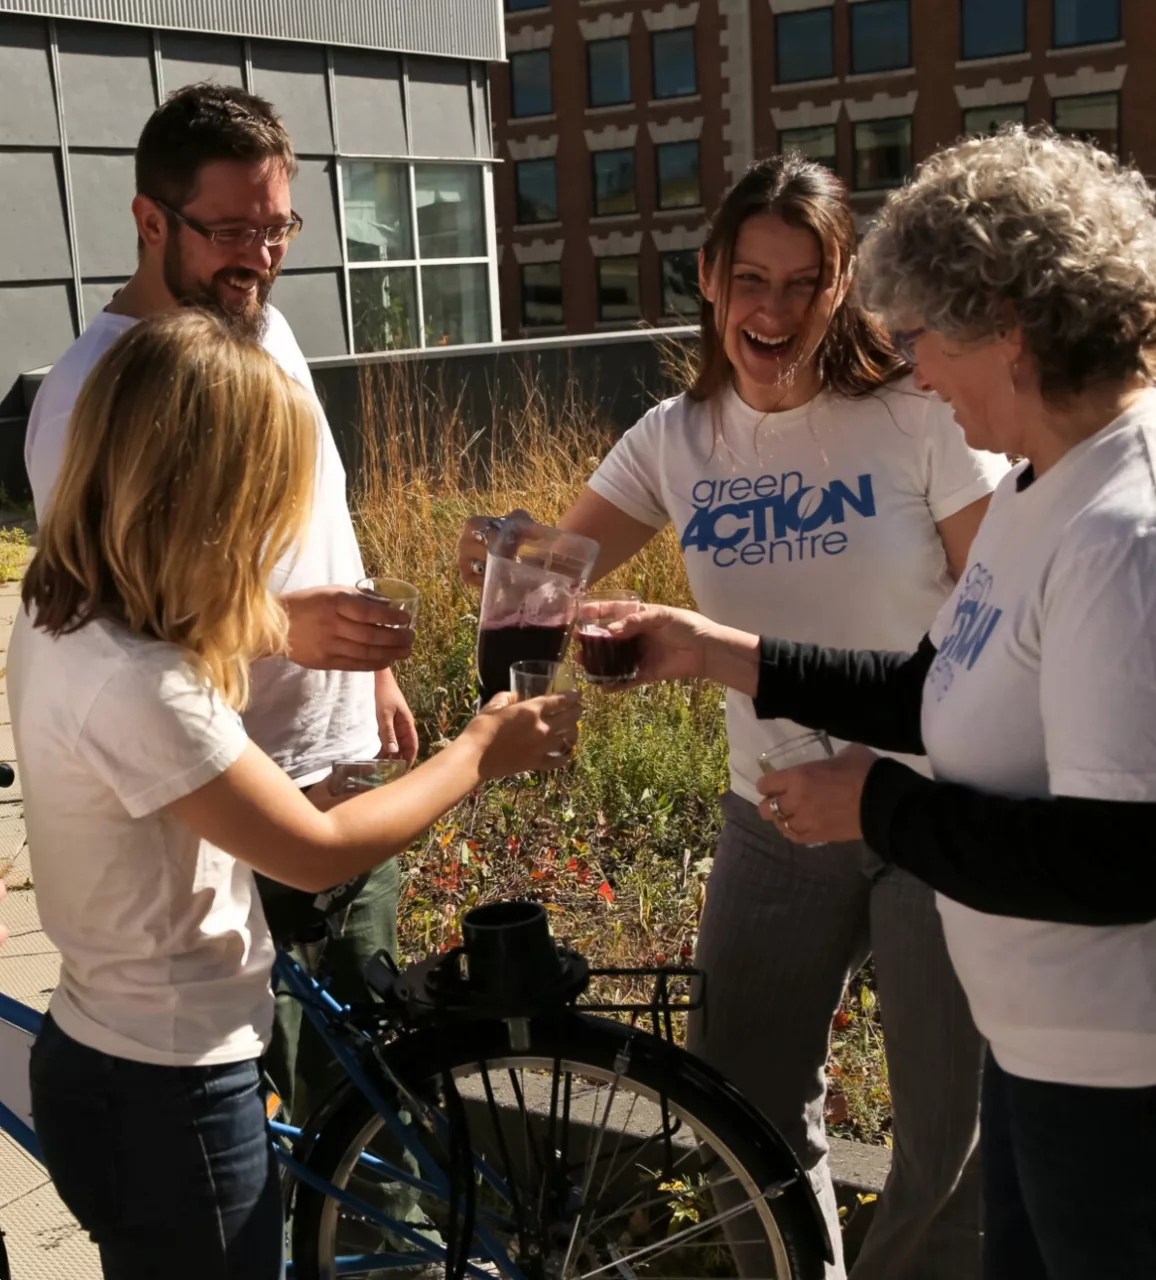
x,y
188,475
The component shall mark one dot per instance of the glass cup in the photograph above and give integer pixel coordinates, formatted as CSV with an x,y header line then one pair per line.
x,y
535,677
396,593
804,748
607,658
352,776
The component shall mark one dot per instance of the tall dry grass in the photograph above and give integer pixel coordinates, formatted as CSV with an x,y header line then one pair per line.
x,y
619,845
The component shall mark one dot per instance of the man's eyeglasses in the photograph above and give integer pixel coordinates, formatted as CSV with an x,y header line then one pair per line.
x,y
904,343
236,237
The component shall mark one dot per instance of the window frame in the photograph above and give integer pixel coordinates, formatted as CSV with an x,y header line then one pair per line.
x,y
525,323
636,258
617,213
964,56
862,7
415,263
617,102
524,8
995,106
655,36
531,53
658,148
811,128
663,254
1080,44
1107,93
829,10
534,222
855,152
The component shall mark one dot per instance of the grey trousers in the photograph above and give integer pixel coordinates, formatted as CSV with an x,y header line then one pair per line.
x,y
783,930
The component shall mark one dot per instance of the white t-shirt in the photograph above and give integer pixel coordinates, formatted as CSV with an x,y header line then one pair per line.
x,y
304,719
165,954
1045,684
816,524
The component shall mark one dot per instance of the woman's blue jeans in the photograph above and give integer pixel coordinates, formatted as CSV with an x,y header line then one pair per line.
x,y
168,1169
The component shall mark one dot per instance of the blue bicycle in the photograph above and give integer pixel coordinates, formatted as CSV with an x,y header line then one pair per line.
x,y
493,1122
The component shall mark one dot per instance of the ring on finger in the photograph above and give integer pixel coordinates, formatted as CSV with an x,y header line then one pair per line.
x,y
477,566
776,810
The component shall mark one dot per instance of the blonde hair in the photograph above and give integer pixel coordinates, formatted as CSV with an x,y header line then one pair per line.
x,y
188,474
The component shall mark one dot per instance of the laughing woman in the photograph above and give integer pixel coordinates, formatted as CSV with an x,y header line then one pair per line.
x,y
1025,267
817,494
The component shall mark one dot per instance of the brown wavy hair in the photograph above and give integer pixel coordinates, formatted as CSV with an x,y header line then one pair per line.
x,y
187,475
855,356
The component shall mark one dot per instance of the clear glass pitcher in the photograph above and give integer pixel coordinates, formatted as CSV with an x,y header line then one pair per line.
x,y
534,578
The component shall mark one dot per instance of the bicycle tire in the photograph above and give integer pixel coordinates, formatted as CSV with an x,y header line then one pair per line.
x,y
590,1048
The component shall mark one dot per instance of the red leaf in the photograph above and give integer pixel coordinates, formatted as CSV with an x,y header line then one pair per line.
x,y
512,843
537,875
573,865
605,891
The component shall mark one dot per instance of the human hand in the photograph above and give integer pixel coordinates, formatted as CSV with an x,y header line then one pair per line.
x,y
477,534
818,803
395,723
517,736
338,628
674,642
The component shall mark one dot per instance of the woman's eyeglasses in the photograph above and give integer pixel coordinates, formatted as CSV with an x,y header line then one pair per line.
x,y
904,343
236,237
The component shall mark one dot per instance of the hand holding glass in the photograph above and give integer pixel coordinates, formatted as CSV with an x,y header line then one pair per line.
x,y
397,594
804,748
608,658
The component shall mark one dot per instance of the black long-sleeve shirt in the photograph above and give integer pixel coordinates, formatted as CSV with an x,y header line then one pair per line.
x,y
1063,858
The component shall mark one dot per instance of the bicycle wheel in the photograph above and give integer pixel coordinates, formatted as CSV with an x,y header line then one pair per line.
x,y
578,1174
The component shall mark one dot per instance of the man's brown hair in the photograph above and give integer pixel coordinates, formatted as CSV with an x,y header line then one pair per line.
x,y
198,125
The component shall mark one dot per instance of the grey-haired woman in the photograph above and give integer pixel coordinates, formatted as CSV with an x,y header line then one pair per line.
x,y
1020,271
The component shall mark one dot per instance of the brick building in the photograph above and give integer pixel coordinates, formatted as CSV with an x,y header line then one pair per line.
x,y
622,122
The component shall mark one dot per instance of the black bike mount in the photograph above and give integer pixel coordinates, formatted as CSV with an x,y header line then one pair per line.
x,y
508,968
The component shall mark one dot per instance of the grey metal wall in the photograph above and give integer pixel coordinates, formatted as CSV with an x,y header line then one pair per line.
x,y
625,373
451,28
73,99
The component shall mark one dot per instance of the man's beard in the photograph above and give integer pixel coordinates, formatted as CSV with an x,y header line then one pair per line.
x,y
248,320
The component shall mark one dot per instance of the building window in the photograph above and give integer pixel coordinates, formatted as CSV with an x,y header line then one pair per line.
x,y
816,143
992,28
614,182
608,71
1095,117
679,282
880,36
427,222
530,93
805,45
672,60
1085,21
537,190
882,153
979,121
516,6
618,296
541,294
679,186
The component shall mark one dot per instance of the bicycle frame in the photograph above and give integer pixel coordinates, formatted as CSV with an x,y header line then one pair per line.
x,y
333,1022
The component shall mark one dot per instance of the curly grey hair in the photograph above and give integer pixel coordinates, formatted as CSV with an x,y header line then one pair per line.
x,y
1051,225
